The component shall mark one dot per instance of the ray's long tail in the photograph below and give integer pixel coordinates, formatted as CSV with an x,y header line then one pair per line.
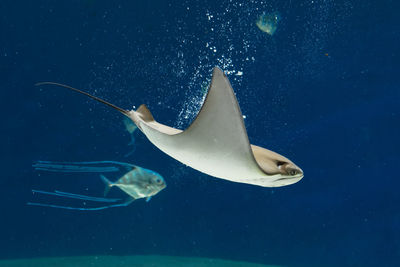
x,y
133,115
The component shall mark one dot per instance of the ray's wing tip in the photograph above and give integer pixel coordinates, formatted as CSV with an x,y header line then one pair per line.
x,y
217,70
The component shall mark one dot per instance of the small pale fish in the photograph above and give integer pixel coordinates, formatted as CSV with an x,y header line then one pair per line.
x,y
268,22
138,183
131,128
129,125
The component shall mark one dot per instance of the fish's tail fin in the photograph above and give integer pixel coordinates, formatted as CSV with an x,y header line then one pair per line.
x,y
108,184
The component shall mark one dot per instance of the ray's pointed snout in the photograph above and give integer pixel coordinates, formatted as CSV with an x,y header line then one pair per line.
x,y
290,174
292,171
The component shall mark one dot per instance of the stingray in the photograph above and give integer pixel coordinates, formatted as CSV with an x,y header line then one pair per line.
x,y
216,143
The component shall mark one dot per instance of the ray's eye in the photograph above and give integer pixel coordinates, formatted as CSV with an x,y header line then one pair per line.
x,y
280,164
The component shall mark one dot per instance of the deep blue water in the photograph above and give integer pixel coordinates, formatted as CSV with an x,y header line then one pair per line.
x,y
324,90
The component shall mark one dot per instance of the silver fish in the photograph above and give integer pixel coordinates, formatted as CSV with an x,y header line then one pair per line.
x,y
138,183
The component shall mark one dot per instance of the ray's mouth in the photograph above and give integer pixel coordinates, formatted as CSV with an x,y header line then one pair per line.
x,y
298,176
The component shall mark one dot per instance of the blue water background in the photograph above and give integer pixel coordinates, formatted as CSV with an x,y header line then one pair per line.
x,y
324,91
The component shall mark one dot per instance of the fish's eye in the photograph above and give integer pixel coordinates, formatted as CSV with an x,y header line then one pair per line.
x,y
158,181
292,172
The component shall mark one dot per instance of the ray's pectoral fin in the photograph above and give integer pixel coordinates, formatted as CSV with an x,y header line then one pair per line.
x,y
216,142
